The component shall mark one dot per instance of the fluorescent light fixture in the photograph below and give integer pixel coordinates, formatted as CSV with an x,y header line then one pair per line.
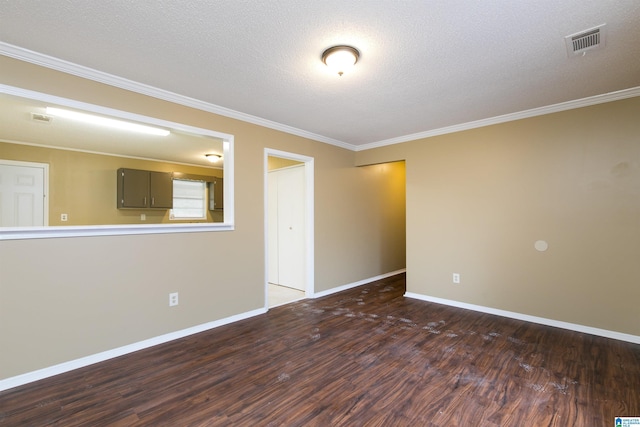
x,y
104,121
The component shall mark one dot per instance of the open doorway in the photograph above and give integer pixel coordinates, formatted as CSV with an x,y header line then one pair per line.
x,y
288,227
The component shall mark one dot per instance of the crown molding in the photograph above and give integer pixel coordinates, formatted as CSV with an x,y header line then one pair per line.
x,y
57,64
555,108
122,83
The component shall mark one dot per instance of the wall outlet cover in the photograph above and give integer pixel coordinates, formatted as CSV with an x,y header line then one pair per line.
x,y
173,299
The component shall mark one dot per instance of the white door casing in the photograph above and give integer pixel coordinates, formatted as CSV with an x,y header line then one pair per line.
x,y
308,221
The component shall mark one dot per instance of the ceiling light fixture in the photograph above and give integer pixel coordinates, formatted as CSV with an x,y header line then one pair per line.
x,y
213,158
340,58
105,121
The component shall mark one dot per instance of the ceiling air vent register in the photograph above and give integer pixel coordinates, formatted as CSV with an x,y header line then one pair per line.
x,y
42,118
584,41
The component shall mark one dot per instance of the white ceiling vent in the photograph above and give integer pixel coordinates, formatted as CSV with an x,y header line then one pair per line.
x,y
41,118
580,43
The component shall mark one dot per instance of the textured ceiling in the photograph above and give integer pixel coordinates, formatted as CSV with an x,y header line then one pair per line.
x,y
424,65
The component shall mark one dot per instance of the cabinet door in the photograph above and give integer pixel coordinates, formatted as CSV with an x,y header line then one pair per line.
x,y
133,188
161,190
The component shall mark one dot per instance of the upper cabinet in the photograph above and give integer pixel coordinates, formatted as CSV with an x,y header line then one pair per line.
x,y
140,189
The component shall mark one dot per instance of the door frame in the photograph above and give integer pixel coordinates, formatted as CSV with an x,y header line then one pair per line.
x,y
308,163
45,184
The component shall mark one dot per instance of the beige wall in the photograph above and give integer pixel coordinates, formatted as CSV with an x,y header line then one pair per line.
x,y
278,163
478,200
68,298
83,185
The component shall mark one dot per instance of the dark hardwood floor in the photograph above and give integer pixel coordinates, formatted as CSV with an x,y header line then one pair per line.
x,y
363,357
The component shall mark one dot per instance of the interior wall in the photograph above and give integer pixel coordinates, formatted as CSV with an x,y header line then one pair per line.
x,y
279,162
83,185
478,200
68,298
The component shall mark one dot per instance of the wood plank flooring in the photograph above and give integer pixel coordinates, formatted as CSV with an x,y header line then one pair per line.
x,y
363,357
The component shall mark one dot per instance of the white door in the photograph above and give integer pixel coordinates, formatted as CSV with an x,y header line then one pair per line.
x,y
22,193
287,227
272,226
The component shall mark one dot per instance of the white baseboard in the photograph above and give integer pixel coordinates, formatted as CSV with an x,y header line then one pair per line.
x,y
356,284
534,319
50,371
120,351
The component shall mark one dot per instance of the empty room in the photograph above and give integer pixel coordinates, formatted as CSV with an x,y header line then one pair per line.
x,y
334,213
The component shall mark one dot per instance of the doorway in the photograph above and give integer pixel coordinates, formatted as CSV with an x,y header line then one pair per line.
x,y
288,227
23,194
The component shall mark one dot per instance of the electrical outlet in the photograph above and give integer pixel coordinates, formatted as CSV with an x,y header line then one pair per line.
x,y
456,277
173,299
63,217
143,217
